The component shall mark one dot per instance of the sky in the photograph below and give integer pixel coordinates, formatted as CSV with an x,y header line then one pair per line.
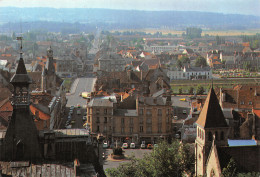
x,y
248,7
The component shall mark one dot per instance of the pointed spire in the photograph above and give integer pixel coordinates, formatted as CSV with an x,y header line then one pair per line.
x,y
211,115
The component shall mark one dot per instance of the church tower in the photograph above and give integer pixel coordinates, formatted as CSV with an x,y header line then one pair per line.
x,y
48,74
21,140
211,122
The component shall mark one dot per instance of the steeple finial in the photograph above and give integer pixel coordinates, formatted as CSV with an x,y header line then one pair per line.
x,y
21,44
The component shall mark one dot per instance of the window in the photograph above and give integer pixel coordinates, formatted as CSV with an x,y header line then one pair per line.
x,y
148,112
149,120
141,111
216,135
159,112
122,121
222,135
141,120
105,119
149,129
105,129
105,111
141,129
160,119
131,121
168,111
160,128
97,111
97,128
97,120
250,102
45,123
242,102
210,136
88,119
122,130
131,129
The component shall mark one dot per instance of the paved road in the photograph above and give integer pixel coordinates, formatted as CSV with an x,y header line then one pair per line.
x,y
85,84
139,153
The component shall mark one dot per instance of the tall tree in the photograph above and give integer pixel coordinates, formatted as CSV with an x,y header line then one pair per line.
x,y
200,61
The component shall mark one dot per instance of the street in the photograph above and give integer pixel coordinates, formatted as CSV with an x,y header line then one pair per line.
x,y
110,163
80,85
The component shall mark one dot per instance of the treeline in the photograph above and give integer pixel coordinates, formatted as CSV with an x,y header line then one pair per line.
x,y
253,40
193,32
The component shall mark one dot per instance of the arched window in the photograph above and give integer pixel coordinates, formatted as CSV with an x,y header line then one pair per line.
x,y
210,136
202,135
212,173
216,135
222,135
198,131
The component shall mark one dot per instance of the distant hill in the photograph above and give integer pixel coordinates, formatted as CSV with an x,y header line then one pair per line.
x,y
133,19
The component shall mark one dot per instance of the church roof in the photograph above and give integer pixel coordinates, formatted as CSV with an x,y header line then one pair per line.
x,y
21,75
211,115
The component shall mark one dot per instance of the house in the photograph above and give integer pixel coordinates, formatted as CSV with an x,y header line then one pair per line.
x,y
131,119
188,72
214,59
111,62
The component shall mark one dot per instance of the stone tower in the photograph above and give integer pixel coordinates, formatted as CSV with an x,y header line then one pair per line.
x,y
21,139
48,74
211,122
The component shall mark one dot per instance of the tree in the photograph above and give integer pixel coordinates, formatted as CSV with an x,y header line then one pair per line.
x,y
191,90
200,61
179,64
185,59
200,90
230,170
173,159
180,91
192,32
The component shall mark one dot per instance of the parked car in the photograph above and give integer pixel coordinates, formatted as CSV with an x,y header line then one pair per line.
x,y
78,112
68,126
132,145
149,146
69,117
72,107
142,146
125,146
105,145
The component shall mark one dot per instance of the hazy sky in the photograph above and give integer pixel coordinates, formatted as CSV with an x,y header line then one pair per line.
x,y
224,6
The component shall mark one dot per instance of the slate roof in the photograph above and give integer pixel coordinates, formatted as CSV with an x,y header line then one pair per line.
x,y
21,75
211,115
100,102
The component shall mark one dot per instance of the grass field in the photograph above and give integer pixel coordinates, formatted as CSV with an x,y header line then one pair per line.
x,y
224,83
67,83
209,32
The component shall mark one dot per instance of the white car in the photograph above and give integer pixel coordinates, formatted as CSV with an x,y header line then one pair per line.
x,y
132,145
78,112
125,146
